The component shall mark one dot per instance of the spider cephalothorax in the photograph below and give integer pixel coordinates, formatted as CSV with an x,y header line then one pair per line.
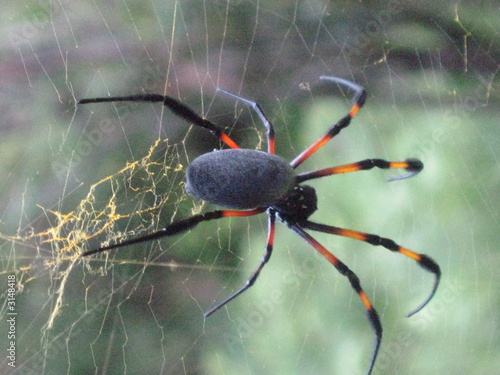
x,y
251,182
300,203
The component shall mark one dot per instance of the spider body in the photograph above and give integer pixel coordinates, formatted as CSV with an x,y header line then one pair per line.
x,y
252,182
239,178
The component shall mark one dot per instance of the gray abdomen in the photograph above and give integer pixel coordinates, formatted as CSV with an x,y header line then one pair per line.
x,y
239,178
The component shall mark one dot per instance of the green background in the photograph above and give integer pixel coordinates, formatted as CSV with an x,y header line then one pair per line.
x,y
431,72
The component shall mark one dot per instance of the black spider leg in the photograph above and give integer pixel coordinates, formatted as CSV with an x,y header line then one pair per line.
x,y
269,126
424,261
359,100
265,258
176,227
373,316
413,166
175,106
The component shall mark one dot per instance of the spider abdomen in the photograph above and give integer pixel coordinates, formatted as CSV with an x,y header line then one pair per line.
x,y
240,178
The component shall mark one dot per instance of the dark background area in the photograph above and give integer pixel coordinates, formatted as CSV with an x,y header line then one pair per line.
x,y
431,72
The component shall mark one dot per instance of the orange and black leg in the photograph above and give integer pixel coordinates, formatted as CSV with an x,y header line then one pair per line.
x,y
263,118
265,258
177,227
359,100
412,166
176,107
423,260
373,317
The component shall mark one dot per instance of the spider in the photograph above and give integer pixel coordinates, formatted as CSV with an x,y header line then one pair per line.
x,y
250,182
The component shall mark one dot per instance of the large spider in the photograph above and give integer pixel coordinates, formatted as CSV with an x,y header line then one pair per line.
x,y
250,182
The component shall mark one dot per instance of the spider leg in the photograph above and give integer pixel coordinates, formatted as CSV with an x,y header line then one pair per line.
x,y
413,166
175,106
269,126
265,258
423,260
359,100
176,228
373,317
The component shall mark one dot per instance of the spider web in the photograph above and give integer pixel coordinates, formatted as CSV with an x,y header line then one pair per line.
x,y
77,177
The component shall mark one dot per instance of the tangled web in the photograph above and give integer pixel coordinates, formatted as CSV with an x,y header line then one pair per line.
x,y
139,197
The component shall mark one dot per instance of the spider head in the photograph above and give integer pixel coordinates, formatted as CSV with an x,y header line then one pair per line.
x,y
298,205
